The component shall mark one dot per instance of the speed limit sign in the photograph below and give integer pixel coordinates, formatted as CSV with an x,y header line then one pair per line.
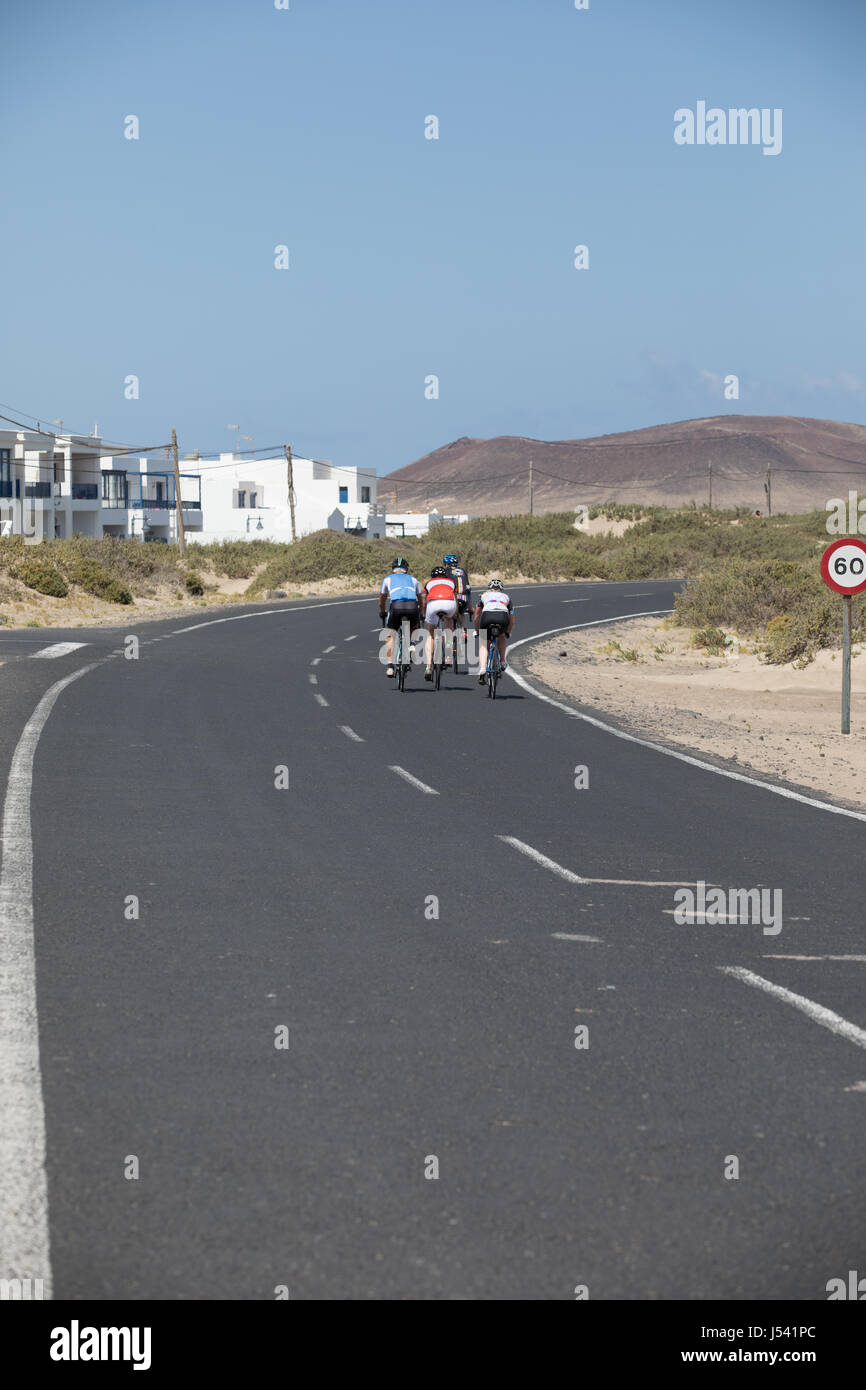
x,y
843,565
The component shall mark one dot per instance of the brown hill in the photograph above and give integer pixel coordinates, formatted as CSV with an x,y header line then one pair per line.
x,y
809,462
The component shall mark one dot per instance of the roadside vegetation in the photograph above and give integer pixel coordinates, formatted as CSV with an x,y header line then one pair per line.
x,y
757,576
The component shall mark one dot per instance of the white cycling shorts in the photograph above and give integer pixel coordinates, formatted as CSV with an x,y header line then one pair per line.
x,y
444,607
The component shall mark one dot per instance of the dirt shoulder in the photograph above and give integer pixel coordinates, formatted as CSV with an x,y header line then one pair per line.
x,y
771,719
21,607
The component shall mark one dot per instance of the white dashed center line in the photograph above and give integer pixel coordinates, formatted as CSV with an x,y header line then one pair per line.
x,y
350,733
407,776
818,1014
314,680
321,699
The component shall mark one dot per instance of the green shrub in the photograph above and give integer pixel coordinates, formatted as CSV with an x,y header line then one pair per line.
x,y
712,638
796,637
99,582
38,573
193,584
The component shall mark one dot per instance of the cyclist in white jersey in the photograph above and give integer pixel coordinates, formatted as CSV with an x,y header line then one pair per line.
x,y
494,606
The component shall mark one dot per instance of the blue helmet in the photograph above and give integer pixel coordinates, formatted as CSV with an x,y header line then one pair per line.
x,y
452,560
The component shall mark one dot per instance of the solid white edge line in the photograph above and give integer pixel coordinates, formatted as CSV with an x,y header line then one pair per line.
x,y
415,782
350,733
268,612
817,1012
541,859
787,792
25,1250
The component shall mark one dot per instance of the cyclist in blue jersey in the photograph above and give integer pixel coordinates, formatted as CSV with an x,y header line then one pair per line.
x,y
400,596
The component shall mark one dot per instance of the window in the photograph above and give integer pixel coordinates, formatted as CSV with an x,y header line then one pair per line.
x,y
59,466
252,499
365,494
5,457
114,489
160,491
242,498
344,494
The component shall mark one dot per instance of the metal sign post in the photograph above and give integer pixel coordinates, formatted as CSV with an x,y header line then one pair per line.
x,y
843,568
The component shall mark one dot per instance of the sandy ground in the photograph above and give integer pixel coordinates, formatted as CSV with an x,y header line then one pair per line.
x,y
29,609
772,719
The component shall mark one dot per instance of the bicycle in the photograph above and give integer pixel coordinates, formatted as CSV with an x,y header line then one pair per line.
x,y
404,648
494,661
439,645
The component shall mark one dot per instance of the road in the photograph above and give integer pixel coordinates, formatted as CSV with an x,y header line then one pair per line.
x,y
430,973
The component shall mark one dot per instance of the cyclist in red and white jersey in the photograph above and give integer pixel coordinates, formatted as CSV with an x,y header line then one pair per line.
x,y
494,606
440,601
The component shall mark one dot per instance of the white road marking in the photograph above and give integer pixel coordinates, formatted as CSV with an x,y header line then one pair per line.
x,y
267,613
858,958
568,936
24,1238
327,649
818,1014
350,639
321,699
314,680
315,661
577,878
541,859
641,593
407,776
787,792
58,649
350,733
575,600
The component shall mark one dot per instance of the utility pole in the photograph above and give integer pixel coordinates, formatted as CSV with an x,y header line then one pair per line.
x,y
288,449
177,496
710,483
531,498
768,489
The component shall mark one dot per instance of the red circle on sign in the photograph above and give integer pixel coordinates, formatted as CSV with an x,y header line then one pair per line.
x,y
847,573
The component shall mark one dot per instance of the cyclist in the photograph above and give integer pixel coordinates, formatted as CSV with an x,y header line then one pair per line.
x,y
440,600
494,606
464,593
402,596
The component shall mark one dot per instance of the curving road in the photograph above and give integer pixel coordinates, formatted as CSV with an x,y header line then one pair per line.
x,y
416,1039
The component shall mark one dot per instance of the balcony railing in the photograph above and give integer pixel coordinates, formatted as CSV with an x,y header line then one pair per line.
x,y
37,489
85,492
162,504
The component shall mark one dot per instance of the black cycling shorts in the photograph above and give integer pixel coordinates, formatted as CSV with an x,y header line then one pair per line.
x,y
500,620
403,609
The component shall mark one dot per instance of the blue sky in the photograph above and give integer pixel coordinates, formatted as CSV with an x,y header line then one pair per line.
x,y
411,257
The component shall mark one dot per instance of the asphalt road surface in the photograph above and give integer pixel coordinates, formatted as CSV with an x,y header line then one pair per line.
x,y
335,1050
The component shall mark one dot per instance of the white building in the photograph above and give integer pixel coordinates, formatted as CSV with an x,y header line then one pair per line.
x,y
416,524
138,499
49,485
249,498
68,484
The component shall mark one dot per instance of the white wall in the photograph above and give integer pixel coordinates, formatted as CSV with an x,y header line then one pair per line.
x,y
317,493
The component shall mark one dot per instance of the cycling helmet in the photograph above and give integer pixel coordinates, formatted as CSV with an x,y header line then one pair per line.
x,y
495,584
452,560
437,572
400,564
